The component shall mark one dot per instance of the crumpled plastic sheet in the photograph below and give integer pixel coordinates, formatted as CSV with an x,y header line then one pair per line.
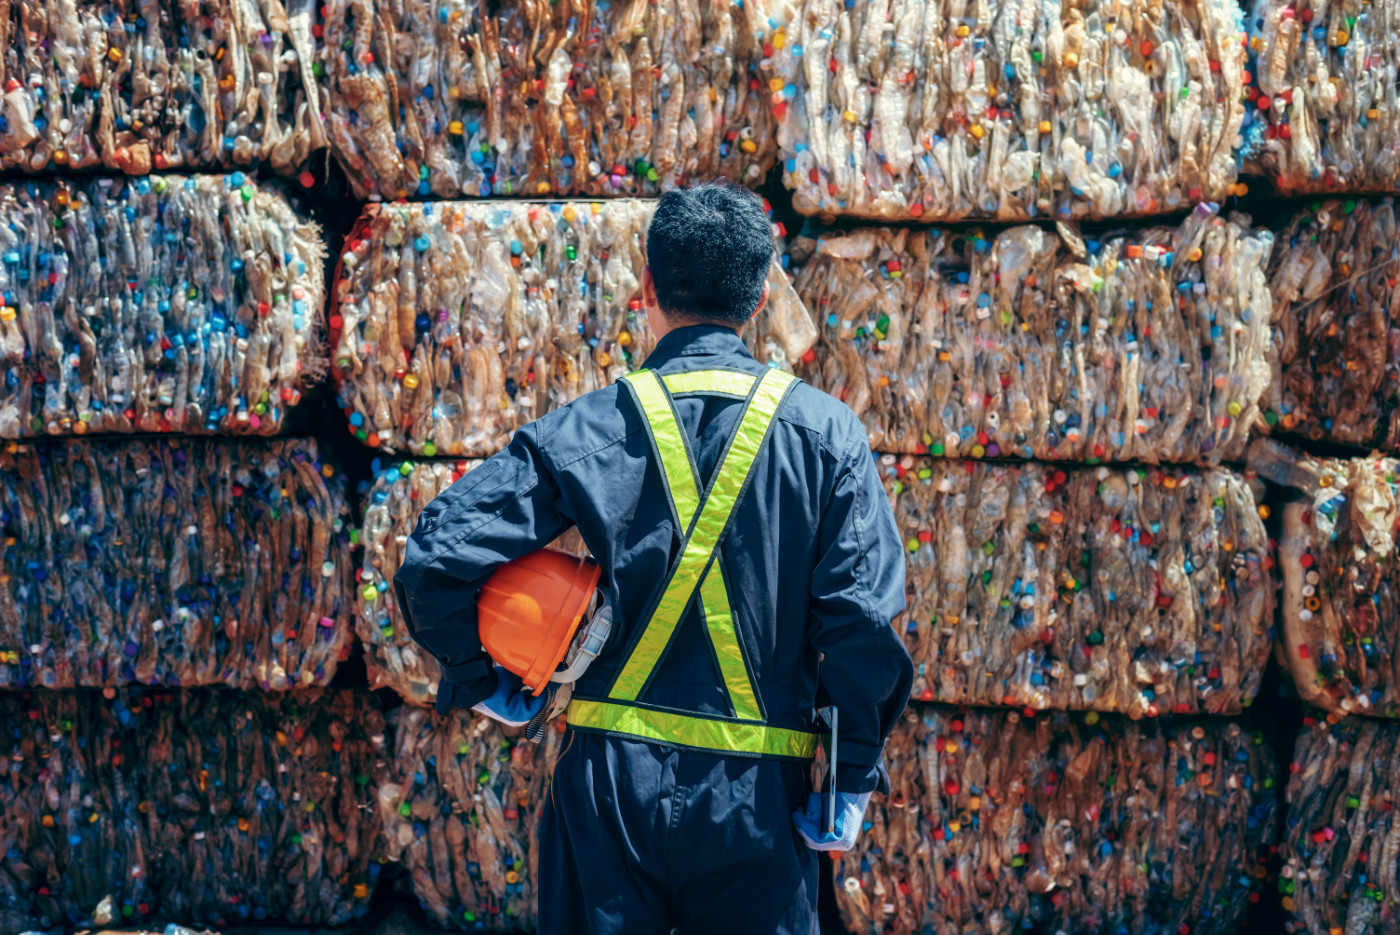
x,y
173,562
933,111
1334,281
140,88
1139,591
401,490
1324,102
210,807
582,97
1341,577
1000,823
456,323
462,811
1151,346
162,304
1341,846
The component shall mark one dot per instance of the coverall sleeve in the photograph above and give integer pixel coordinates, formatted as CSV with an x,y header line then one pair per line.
x,y
507,507
857,589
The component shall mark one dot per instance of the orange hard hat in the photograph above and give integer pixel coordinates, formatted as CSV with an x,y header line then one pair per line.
x,y
529,610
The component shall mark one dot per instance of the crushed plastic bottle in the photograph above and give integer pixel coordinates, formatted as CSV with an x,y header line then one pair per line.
x,y
456,323
1139,591
138,88
173,562
1152,346
932,111
462,812
605,98
997,822
161,304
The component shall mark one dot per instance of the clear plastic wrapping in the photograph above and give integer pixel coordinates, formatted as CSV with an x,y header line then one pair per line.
x,y
615,97
940,111
462,812
456,323
400,492
161,304
1337,345
1140,591
1061,823
1341,848
175,562
1151,346
211,807
1324,103
1341,577
140,88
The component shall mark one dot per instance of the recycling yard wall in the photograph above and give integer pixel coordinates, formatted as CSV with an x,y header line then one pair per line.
x,y
274,276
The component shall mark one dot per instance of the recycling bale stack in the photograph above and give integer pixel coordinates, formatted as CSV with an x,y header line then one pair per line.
x,y
588,99
1010,111
209,806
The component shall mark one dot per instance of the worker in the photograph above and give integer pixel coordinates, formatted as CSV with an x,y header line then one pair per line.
x,y
752,568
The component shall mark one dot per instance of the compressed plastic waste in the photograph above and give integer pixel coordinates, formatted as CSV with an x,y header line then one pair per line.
x,y
162,304
1339,847
1324,102
918,110
462,811
400,492
1333,279
456,323
613,97
1150,346
173,562
1140,591
212,807
1341,576
998,823
137,88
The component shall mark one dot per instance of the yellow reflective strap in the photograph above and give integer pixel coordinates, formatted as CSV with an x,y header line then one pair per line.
x,y
719,618
728,382
670,445
702,733
705,535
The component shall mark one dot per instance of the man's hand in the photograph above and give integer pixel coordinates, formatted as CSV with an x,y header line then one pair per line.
x,y
850,815
511,703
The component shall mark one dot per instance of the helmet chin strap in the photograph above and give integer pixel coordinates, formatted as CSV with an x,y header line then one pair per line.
x,y
588,644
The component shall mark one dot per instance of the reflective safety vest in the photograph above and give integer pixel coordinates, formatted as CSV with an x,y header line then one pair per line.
x,y
703,522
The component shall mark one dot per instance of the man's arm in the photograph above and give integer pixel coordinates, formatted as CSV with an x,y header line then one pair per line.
x,y
505,508
857,589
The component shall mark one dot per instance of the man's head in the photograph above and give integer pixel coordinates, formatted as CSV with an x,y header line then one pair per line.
x,y
708,253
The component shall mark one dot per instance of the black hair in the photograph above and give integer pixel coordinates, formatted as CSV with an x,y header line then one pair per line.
x,y
709,249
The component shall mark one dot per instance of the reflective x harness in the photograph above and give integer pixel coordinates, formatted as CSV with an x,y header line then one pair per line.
x,y
703,522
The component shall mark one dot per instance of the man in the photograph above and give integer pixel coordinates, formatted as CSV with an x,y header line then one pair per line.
x,y
752,567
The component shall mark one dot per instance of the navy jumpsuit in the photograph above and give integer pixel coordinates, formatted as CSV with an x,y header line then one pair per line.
x,y
648,836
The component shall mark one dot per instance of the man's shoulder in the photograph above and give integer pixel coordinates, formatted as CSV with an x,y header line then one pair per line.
x,y
824,417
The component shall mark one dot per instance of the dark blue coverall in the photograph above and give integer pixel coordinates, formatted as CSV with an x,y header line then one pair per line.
x,y
640,836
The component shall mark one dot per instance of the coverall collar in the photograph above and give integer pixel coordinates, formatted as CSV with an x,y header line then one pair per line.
x,y
697,341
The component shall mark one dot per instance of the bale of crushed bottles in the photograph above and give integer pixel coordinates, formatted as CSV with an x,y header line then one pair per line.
x,y
1341,576
922,111
461,809
1140,591
136,88
1324,102
162,304
172,562
587,98
1339,846
1000,823
456,323
401,490
1150,346
1334,281
211,807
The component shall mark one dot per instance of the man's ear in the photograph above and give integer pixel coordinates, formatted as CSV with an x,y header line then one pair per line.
x,y
648,288
763,300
